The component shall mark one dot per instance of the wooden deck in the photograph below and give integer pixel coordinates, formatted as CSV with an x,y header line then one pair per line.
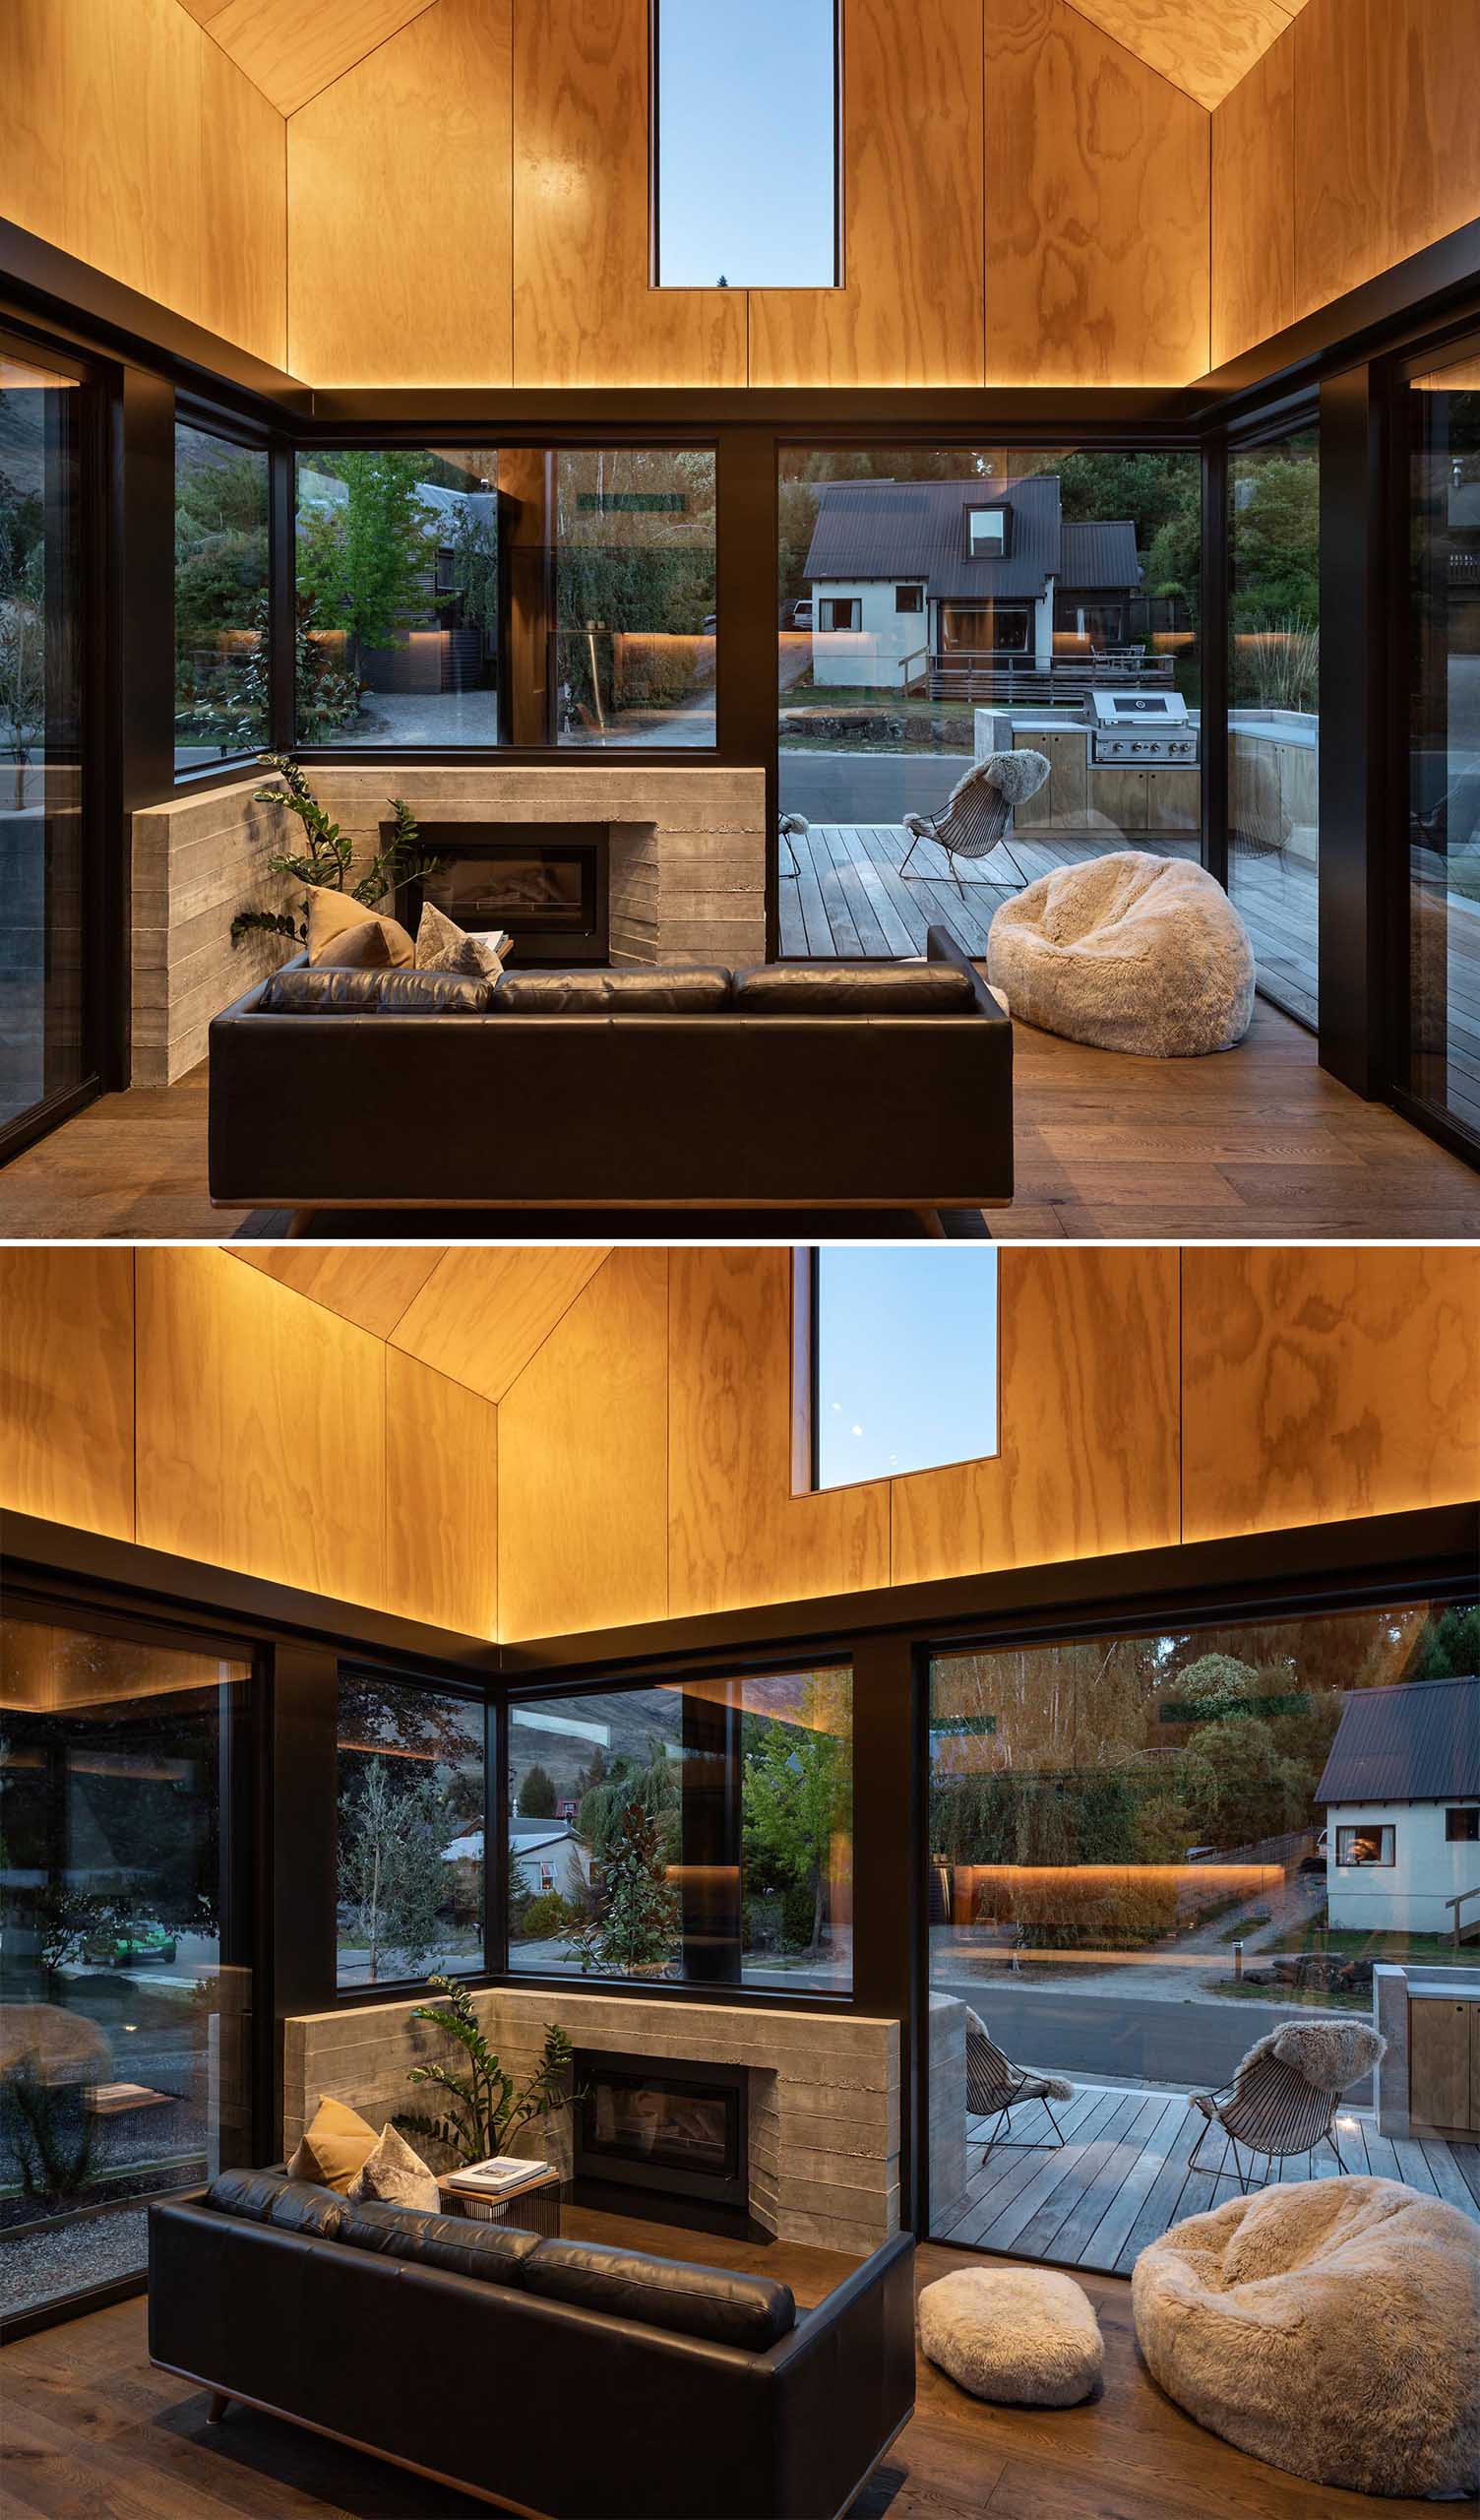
x,y
846,898
1122,2178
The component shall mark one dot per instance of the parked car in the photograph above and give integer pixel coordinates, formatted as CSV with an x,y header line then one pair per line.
x,y
797,615
128,1946
710,624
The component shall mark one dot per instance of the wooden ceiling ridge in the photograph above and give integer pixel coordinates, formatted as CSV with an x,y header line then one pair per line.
x,y
292,51
1203,48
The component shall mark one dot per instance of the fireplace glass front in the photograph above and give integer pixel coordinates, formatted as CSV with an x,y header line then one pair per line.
x,y
677,2128
547,886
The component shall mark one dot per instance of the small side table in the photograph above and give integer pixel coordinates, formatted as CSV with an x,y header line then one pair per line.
x,y
534,2208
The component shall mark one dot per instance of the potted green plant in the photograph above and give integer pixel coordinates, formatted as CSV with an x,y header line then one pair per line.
x,y
485,2107
324,858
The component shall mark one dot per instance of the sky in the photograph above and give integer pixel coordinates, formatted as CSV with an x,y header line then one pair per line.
x,y
746,111
906,1358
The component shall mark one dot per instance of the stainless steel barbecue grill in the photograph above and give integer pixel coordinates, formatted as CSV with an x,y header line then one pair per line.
x,y
1143,730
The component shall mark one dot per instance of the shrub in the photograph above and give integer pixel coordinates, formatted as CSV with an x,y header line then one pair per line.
x,y
546,1914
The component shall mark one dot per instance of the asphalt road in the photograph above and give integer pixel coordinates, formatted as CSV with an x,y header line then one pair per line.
x,y
867,787
1197,2044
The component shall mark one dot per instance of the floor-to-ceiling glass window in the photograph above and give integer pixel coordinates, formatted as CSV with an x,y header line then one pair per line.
x,y
1443,1049
45,1053
941,606
222,598
1149,1851
1273,709
691,1830
125,1941
411,1813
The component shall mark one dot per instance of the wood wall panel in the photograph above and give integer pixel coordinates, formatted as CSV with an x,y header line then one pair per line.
x,y
1097,208
359,1281
400,210
911,310
584,1461
1252,206
243,211
1088,1425
131,142
441,1557
1353,144
483,1311
1388,132
736,1532
67,1387
260,1427
583,310
1324,1384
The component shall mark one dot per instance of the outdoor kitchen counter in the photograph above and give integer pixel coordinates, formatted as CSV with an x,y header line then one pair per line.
x,y
1084,796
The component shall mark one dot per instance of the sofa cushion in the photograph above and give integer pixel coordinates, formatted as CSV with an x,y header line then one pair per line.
x,y
273,2197
853,989
443,946
677,989
360,948
395,2175
433,993
325,990
709,2301
330,912
488,2252
337,2142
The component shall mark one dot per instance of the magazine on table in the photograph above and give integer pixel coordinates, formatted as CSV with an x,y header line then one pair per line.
x,y
498,2177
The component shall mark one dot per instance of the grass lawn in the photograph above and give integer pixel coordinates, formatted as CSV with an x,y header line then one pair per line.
x,y
1432,1950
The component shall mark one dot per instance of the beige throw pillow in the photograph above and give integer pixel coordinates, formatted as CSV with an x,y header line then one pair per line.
x,y
331,914
395,2175
335,2147
361,948
443,946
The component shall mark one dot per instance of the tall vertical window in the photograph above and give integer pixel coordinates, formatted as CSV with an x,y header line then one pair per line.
x,y
222,598
1274,710
902,1357
1442,1067
744,144
696,1830
942,605
1148,1852
125,1944
411,1783
44,907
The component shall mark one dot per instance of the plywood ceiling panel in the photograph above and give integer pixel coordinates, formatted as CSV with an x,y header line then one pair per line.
x,y
292,51
362,1284
482,1314
1203,47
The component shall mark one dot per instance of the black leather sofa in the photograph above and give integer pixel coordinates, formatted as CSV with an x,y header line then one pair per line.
x,y
549,2376
798,1085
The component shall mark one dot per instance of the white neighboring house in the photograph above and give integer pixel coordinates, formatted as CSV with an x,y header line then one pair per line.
x,y
906,574
1402,1790
548,1854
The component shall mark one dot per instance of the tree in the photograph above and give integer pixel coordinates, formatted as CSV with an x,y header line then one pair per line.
x,y
1451,1648
22,643
635,1928
1277,542
1219,1684
390,1870
364,563
475,568
536,1795
1238,1788
796,1793
602,1815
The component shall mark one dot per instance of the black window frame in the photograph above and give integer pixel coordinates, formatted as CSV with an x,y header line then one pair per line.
x,y
232,431
427,1684
916,595
988,507
654,203
1468,1836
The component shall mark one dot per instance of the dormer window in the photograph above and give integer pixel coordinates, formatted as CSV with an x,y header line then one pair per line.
x,y
987,532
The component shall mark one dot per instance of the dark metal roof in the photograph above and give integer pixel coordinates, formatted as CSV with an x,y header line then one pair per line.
x,y
1417,1742
894,530
1099,556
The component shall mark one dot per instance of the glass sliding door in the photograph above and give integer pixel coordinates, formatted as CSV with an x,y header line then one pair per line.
x,y
125,1942
1274,710
1441,1053
940,604
1145,1852
45,1049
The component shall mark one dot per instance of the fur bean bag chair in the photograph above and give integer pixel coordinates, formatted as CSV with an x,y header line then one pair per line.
x,y
1128,953
1332,2328
1018,2336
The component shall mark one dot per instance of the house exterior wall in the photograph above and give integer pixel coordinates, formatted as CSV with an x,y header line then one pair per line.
x,y
568,1863
1407,1897
880,652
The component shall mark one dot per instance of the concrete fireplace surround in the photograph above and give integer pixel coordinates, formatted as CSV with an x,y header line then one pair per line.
x,y
822,2097
687,871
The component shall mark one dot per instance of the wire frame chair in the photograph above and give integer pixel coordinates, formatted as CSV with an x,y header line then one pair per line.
x,y
1272,2110
977,817
995,2086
